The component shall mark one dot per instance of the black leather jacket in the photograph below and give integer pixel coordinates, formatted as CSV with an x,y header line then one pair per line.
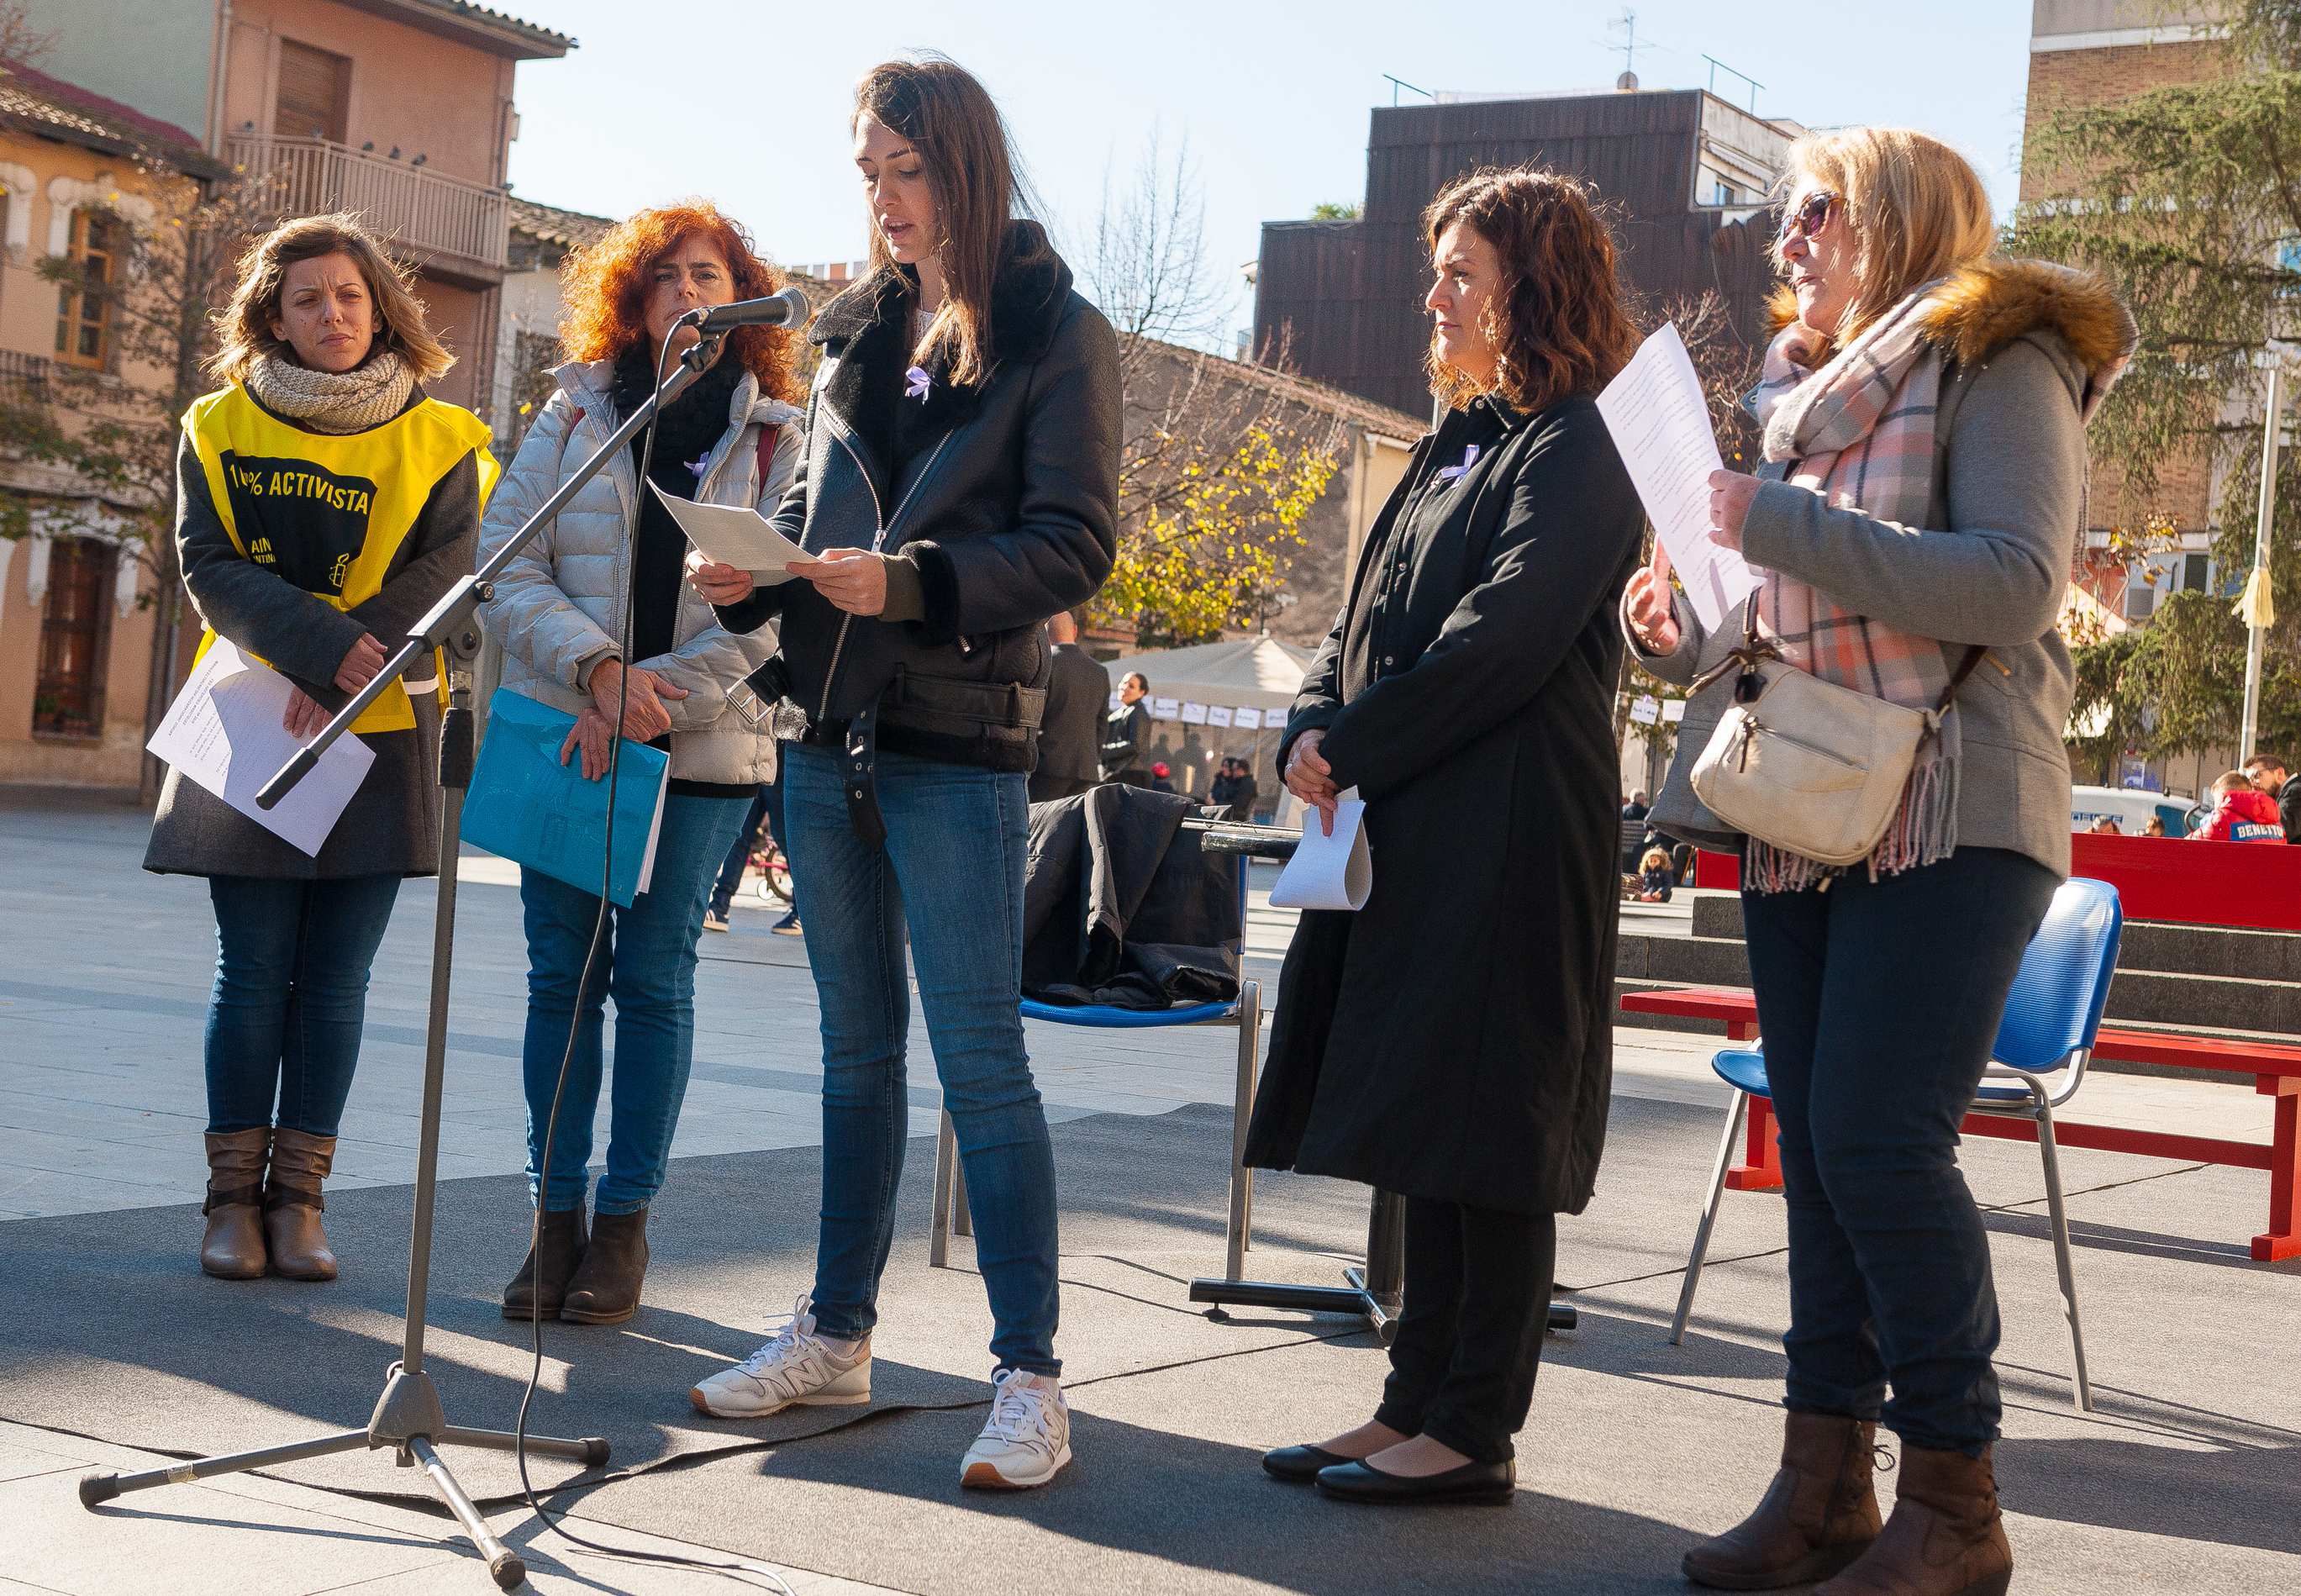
x,y
1004,500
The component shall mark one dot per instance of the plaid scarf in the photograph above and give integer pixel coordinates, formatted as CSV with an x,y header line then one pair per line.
x,y
1859,430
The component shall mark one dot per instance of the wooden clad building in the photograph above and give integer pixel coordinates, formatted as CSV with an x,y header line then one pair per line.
x,y
1687,175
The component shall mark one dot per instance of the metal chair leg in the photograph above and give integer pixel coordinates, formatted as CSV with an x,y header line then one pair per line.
x,y
1242,1178
1700,1252
2051,1154
945,1172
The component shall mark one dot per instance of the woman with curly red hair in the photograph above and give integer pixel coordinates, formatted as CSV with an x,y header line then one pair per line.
x,y
1450,1041
558,613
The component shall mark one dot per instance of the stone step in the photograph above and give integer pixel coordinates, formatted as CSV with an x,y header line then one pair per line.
x,y
1682,961
2147,945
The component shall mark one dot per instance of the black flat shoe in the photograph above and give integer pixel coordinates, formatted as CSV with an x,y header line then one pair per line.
x,y
1481,1484
1299,1465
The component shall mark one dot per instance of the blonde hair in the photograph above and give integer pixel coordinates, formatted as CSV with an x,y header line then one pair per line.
x,y
244,326
2229,781
1917,208
1654,858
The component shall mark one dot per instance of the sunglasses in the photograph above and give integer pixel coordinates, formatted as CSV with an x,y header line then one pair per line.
x,y
1809,217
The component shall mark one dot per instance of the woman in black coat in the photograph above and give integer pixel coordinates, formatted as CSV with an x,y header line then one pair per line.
x,y
1451,1042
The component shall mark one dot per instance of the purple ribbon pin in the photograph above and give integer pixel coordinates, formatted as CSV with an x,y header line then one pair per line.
x,y
915,383
1447,473
700,464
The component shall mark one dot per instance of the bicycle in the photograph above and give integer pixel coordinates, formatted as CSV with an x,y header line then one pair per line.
x,y
774,882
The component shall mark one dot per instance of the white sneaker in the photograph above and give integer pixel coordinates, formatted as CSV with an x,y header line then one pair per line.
x,y
1028,1438
797,1369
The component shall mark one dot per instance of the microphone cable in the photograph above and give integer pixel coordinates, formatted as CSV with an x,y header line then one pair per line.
x,y
557,1526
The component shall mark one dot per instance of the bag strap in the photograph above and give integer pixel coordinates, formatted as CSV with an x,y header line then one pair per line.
x,y
769,436
1975,653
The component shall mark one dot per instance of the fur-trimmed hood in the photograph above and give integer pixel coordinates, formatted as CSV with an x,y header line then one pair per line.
x,y
1977,310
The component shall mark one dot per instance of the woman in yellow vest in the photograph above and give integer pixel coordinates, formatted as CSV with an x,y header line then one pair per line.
x,y
325,504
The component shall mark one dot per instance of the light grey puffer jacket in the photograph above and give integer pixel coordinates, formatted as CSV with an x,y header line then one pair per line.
x,y
558,607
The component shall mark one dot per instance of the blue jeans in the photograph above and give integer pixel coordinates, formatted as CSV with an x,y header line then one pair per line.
x,y
290,998
952,868
1879,1002
766,809
648,965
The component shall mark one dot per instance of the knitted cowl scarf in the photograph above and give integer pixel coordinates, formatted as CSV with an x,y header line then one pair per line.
x,y
367,395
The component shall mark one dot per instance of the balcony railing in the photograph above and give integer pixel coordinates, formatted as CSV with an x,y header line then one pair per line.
x,y
420,209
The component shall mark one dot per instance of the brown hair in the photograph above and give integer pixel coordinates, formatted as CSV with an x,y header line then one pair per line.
x,y
244,325
1917,208
1557,320
950,121
605,288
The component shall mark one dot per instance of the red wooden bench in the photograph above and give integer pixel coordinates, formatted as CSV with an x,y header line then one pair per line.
x,y
2276,1070
2245,886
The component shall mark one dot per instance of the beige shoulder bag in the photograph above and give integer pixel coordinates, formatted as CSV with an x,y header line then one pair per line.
x,y
1814,769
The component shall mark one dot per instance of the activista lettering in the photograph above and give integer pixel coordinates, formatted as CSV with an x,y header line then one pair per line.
x,y
306,523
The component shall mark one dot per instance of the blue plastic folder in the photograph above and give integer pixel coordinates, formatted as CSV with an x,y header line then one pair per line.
x,y
530,808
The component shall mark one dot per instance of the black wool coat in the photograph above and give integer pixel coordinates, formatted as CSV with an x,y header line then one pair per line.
x,y
1453,1039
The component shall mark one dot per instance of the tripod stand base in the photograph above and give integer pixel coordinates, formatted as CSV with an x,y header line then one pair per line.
x,y
1353,1299
409,1419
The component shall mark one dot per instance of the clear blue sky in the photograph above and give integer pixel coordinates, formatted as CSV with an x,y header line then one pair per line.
x,y
728,99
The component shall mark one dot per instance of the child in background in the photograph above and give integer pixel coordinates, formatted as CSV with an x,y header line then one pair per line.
x,y
1655,877
2241,812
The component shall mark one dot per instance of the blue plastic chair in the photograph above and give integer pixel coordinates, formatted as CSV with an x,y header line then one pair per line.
x,y
951,1216
2037,1063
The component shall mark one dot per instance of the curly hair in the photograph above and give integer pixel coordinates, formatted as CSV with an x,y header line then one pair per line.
x,y
604,288
1557,318
244,334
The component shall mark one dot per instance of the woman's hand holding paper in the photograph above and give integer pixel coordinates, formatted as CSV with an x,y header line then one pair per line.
x,y
1308,777
718,583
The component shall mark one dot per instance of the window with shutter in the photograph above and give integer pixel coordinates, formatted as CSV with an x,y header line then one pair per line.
x,y
68,697
315,93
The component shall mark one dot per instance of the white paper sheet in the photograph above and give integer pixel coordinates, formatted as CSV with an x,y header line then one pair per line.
x,y
225,733
1328,872
734,536
654,832
1660,425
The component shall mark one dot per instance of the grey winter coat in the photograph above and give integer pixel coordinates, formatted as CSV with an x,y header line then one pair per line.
x,y
2026,342
558,607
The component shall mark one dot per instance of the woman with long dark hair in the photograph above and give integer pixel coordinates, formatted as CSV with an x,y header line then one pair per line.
x,y
960,485
1451,1042
559,613
324,506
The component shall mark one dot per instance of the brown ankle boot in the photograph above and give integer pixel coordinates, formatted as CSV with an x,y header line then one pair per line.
x,y
233,1247
1945,1538
606,1289
300,1162
1819,1514
540,1286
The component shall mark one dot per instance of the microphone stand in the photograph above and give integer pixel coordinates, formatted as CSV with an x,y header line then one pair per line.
x,y
409,1417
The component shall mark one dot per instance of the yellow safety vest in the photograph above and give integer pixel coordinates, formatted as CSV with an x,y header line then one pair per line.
x,y
327,512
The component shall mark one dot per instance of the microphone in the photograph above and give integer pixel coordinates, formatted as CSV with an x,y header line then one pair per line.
x,y
788,308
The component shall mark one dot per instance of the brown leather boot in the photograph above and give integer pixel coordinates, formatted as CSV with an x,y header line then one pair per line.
x,y
550,1264
233,1247
292,1203
1945,1538
1819,1514
606,1289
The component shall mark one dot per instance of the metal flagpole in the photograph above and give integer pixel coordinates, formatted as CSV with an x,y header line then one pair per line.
x,y
2255,606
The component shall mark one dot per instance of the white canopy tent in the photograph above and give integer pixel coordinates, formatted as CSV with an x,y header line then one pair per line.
x,y
1196,695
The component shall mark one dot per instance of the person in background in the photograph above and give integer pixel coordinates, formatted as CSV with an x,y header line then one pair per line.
x,y
1920,499
2242,813
1070,734
1451,1042
2155,826
1637,809
1656,876
2105,825
758,827
1127,736
324,350
1162,777
1234,790
731,437
2269,775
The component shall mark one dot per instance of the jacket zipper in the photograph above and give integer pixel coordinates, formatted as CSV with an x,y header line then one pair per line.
x,y
878,541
